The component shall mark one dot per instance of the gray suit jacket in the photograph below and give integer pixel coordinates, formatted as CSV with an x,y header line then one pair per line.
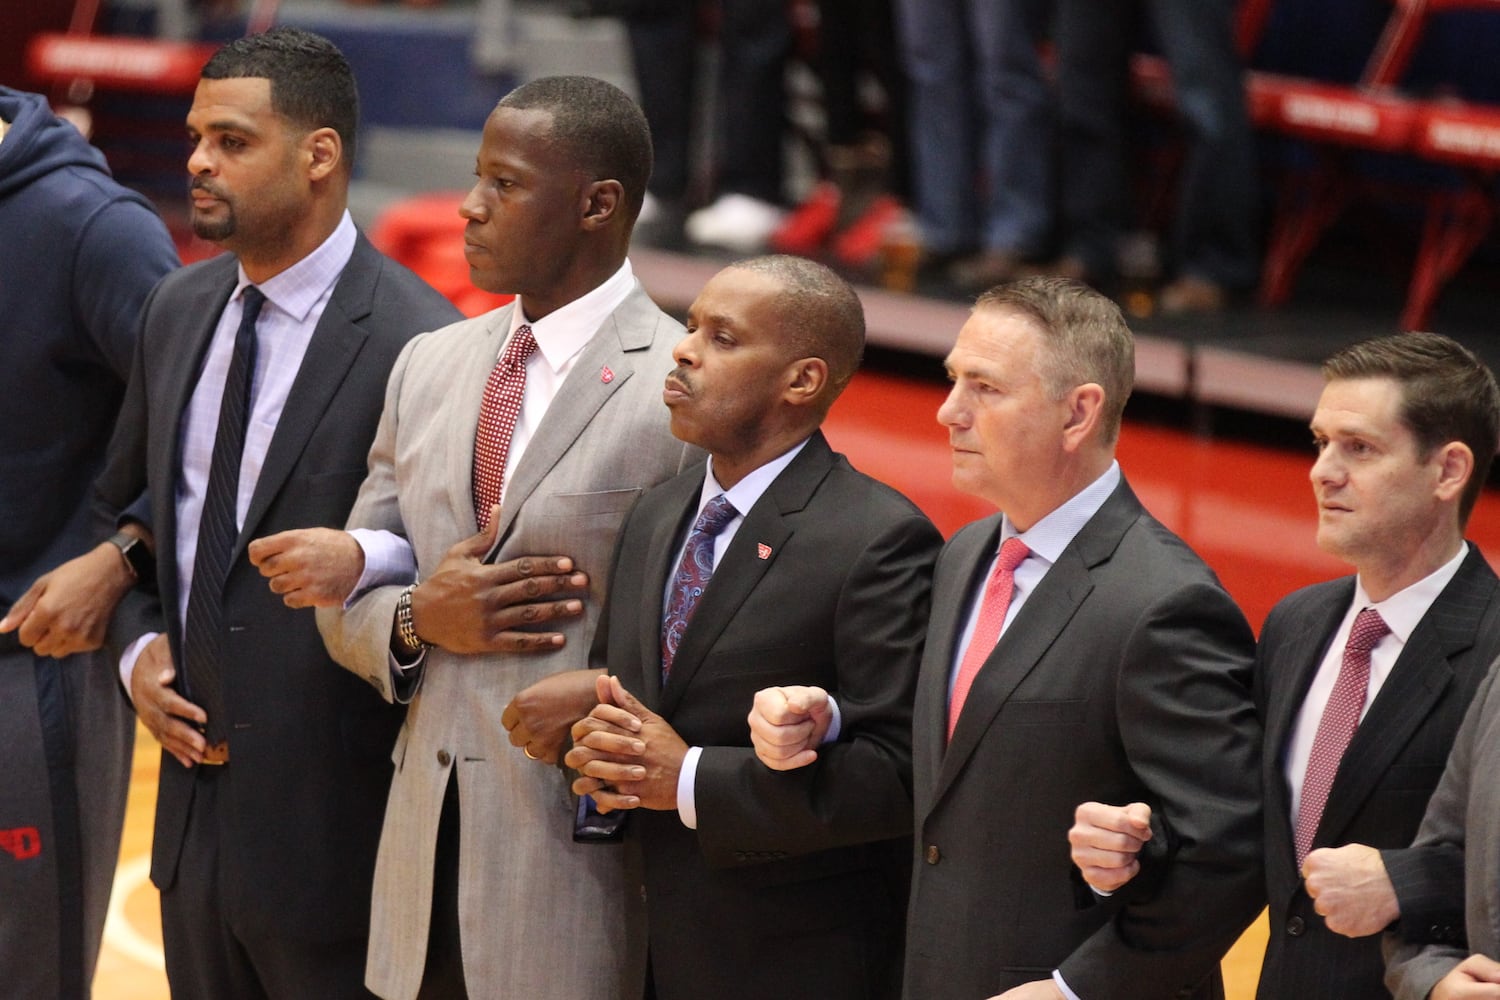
x,y
1384,781
548,917
1125,676
309,746
1463,822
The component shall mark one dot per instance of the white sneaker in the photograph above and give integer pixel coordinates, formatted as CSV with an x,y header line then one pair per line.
x,y
735,222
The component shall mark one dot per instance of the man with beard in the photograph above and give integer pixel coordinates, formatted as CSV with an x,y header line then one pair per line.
x,y
257,384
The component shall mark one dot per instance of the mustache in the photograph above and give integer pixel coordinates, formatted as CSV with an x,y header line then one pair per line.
x,y
204,185
682,378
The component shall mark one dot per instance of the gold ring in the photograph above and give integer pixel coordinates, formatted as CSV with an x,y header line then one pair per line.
x,y
527,751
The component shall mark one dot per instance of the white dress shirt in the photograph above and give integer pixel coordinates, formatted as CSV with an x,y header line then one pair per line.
x,y
560,337
1046,539
295,300
1403,611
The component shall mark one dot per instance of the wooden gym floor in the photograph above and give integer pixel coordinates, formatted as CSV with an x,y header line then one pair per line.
x,y
1247,509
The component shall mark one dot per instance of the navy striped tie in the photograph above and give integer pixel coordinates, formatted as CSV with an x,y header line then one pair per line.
x,y
218,528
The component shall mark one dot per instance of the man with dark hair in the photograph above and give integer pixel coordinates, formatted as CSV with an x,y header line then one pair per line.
x,y
540,423
79,255
777,564
1074,645
1362,682
256,387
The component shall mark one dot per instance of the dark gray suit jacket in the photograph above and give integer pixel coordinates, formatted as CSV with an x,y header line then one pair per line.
x,y
1125,676
793,880
1463,822
1383,783
309,743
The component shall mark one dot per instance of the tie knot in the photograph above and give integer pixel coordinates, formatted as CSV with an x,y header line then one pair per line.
x,y
1369,628
251,299
521,346
716,514
1012,553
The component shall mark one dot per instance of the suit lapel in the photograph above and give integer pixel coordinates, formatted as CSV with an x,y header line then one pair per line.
x,y
204,302
586,389
1420,676
969,554
1302,650
1036,626
335,343
768,524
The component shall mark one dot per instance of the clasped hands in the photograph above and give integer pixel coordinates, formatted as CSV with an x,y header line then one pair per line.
x,y
627,756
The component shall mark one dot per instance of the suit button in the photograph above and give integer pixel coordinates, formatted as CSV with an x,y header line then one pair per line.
x,y
643,893
932,854
444,758
1295,927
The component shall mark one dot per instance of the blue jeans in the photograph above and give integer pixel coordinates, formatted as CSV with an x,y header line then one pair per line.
x,y
981,123
1214,233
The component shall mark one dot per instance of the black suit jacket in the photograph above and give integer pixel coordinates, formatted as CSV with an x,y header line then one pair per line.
x,y
1384,781
792,879
1125,676
309,742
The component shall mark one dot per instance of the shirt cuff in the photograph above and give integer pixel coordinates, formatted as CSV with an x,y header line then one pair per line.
x,y
835,724
389,561
1058,979
687,806
127,660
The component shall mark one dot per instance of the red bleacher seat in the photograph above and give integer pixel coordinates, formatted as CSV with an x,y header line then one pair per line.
x,y
426,234
1375,114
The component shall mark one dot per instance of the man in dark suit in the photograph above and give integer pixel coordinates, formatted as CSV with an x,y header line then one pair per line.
x,y
258,381
777,565
1120,663
1405,430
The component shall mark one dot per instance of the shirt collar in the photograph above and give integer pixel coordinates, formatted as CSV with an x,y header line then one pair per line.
x,y
1048,537
297,289
563,332
745,493
1404,609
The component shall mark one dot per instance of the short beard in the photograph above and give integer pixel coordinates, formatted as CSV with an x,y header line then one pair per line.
x,y
214,232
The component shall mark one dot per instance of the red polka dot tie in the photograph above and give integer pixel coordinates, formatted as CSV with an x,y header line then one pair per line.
x,y
1336,728
997,594
497,422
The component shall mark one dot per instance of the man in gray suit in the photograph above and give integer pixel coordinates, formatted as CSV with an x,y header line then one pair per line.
x,y
1075,645
1460,831
255,390
564,450
1405,430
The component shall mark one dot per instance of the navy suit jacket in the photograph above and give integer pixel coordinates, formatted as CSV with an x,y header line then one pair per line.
x,y
309,743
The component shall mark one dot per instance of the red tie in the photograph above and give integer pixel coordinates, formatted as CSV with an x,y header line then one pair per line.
x,y
997,594
1336,728
497,421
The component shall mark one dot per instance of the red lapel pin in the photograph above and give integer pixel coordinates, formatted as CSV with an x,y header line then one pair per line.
x,y
606,376
763,550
